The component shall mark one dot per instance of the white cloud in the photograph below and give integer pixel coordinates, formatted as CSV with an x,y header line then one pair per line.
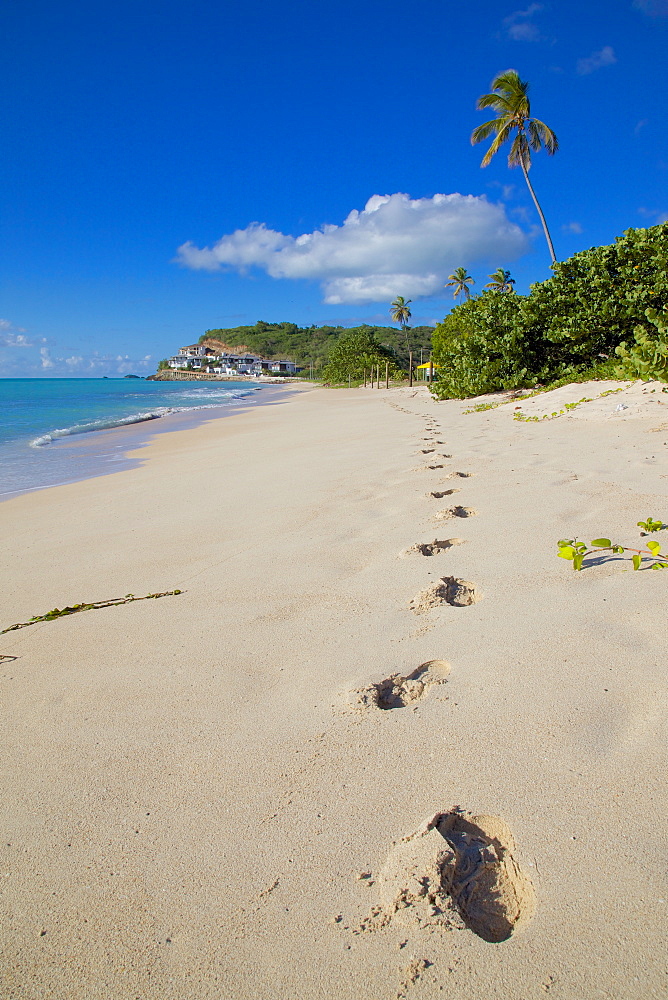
x,y
13,336
597,60
46,358
655,8
572,227
519,26
395,246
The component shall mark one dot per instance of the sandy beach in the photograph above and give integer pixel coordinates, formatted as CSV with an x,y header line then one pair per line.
x,y
384,745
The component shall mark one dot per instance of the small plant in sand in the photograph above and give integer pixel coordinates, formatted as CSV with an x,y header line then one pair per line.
x,y
577,552
650,525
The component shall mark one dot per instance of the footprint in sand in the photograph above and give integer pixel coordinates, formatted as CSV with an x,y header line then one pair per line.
x,y
439,494
427,451
457,864
398,690
456,511
462,475
434,466
432,548
448,590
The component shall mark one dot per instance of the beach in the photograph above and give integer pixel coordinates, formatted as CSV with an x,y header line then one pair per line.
x,y
378,675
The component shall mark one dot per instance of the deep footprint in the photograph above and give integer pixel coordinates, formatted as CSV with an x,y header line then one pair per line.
x,y
462,861
439,494
432,548
398,691
455,512
448,590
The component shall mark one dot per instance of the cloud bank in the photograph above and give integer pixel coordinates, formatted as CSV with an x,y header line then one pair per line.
x,y
395,246
22,355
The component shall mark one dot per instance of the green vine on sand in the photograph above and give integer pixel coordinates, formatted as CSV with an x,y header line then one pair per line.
x,y
567,406
113,602
576,552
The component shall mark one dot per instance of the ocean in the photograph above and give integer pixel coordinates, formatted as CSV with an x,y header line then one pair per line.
x,y
55,431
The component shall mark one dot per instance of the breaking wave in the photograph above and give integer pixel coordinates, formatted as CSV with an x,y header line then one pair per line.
x,y
108,423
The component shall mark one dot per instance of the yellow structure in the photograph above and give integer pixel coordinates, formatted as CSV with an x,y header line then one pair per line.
x,y
422,371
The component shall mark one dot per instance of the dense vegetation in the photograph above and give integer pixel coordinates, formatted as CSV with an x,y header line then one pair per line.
x,y
604,311
355,352
304,345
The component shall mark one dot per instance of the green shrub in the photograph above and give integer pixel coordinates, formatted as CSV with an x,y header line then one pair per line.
x,y
355,351
648,356
581,319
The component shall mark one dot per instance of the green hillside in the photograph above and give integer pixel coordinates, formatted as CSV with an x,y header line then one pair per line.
x,y
304,345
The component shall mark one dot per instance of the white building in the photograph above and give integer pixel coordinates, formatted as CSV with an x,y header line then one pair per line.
x,y
199,358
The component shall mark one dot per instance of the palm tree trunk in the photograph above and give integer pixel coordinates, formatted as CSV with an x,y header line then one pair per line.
x,y
539,210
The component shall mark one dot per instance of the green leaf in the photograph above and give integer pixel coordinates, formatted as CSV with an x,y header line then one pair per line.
x,y
654,547
602,543
567,552
577,562
636,561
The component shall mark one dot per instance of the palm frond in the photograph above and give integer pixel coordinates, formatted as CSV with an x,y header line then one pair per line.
x,y
498,103
502,136
482,132
547,136
509,82
519,152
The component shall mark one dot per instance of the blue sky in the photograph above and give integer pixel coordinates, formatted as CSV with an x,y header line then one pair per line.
x,y
169,168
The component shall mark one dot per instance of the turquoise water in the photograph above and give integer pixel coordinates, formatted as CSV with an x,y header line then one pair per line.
x,y
51,429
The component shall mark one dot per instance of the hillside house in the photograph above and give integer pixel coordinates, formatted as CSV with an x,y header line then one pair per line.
x,y
200,358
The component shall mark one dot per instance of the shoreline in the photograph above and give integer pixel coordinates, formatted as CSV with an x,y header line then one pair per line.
x,y
239,791
98,449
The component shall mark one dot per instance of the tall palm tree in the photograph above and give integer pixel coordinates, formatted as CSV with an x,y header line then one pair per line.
x,y
460,281
401,314
501,281
510,102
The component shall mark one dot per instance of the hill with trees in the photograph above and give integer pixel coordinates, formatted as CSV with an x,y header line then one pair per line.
x,y
304,345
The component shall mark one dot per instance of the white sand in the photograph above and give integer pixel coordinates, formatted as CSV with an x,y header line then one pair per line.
x,y
196,803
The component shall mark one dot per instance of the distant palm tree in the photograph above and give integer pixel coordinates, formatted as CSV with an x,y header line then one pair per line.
x,y
460,281
513,120
501,281
401,314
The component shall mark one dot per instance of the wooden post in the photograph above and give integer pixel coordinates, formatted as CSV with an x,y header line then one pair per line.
x,y
387,374
349,380
431,371
410,368
378,376
364,371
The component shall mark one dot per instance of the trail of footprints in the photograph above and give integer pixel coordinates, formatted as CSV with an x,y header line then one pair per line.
x,y
457,870
449,589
